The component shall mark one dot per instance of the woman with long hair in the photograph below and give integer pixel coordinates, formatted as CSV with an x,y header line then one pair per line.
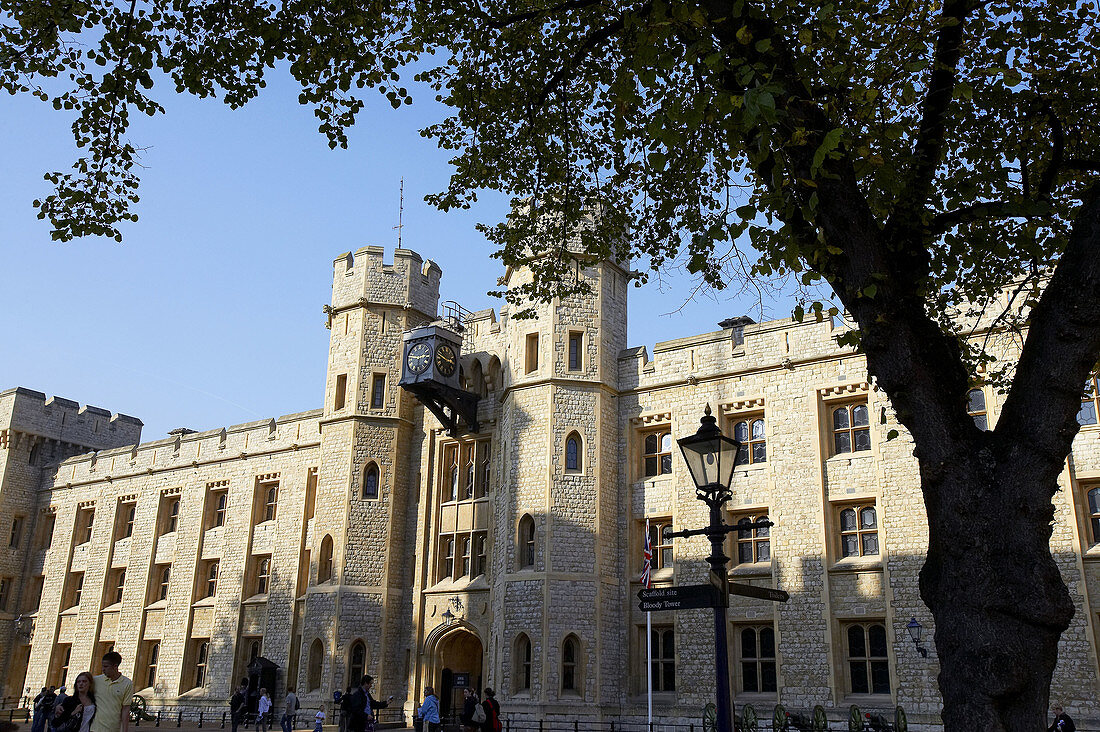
x,y
75,713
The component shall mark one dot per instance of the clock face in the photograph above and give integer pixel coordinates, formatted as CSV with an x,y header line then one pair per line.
x,y
419,358
445,360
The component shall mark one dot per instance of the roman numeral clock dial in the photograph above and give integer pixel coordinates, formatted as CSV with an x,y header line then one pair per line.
x,y
445,360
419,358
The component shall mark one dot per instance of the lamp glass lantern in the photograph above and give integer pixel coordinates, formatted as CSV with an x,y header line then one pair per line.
x,y
914,628
711,458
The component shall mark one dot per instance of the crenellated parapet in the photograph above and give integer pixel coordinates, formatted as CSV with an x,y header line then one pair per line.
x,y
55,428
364,278
235,443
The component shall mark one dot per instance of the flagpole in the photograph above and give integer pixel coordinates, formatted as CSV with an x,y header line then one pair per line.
x,y
648,633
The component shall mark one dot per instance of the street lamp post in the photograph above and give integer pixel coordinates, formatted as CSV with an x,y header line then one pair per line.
x,y
711,458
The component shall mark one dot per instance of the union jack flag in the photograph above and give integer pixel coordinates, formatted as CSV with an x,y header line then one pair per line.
x,y
647,557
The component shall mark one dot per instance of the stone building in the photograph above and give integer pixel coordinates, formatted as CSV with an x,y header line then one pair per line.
x,y
362,537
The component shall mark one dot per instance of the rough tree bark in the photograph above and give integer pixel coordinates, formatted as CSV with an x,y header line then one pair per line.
x,y
996,594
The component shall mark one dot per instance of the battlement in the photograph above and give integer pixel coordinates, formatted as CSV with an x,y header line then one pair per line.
x,y
236,442
775,344
61,420
409,281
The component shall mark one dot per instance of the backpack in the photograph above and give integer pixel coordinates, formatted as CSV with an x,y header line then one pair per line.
x,y
478,715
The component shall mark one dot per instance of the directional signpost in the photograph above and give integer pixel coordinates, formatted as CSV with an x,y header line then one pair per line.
x,y
686,597
761,593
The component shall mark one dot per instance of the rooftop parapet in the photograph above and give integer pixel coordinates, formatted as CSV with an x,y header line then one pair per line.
x,y
64,420
288,432
365,278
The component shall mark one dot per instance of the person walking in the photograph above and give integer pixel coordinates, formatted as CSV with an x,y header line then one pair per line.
x,y
342,707
263,711
76,713
1062,721
362,706
472,713
429,710
238,705
290,710
319,719
492,712
113,692
43,707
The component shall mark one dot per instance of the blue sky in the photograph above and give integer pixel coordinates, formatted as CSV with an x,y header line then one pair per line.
x,y
209,312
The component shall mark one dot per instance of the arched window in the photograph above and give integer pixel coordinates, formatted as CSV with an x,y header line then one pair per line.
x,y
151,670
357,662
212,580
201,659
271,501
573,453
486,451
526,542
522,664
758,660
658,453
975,407
219,509
253,651
447,563
750,433
173,516
851,429
165,576
324,560
570,666
313,670
370,481
263,576
1094,514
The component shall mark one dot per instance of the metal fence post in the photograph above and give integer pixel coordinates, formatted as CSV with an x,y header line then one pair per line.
x,y
158,719
540,725
179,717
200,719
223,720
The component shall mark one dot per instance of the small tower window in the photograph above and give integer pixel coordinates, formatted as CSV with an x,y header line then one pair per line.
x,y
532,361
573,453
575,341
378,391
341,392
370,482
324,560
526,542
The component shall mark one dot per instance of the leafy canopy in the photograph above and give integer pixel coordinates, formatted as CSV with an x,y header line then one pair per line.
x,y
964,131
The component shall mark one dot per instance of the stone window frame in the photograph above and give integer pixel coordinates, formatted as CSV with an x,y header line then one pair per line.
x,y
126,515
531,353
262,575
759,661
1087,415
162,577
845,396
315,665
365,494
74,590
464,469
574,351
756,538
150,663
860,532
210,578
172,517
748,411
658,525
340,393
578,462
526,543
377,398
216,503
664,659
523,665
326,570
574,667
642,427
978,412
85,523
852,430
115,586
355,677
201,655
6,585
868,662
18,523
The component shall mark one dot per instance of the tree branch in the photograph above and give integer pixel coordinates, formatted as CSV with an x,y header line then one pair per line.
x,y
928,149
985,210
1061,347
1046,183
594,39
507,20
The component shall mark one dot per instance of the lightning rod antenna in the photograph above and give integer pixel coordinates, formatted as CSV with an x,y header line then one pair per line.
x,y
400,213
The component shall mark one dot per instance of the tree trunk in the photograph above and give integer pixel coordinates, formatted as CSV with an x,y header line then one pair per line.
x,y
994,589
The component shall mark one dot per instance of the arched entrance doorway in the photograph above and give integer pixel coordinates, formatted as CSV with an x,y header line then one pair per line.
x,y
458,658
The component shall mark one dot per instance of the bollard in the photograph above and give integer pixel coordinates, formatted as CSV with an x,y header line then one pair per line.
x,y
223,720
158,719
179,717
540,725
200,719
